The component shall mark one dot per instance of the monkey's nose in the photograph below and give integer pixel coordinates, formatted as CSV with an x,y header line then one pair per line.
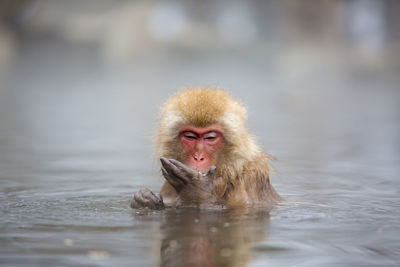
x,y
198,158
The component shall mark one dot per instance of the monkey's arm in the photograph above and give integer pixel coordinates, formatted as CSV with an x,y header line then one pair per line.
x,y
184,186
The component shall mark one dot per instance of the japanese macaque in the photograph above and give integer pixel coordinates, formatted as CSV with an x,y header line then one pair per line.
x,y
207,156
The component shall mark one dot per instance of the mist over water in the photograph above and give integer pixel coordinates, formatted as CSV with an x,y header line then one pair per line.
x,y
77,118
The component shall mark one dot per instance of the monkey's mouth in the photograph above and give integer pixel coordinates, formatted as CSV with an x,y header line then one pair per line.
x,y
201,166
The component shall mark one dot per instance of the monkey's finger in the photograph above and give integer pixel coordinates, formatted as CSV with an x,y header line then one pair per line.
x,y
145,198
173,170
168,176
138,201
169,167
155,201
134,204
185,169
140,197
176,183
145,192
145,195
148,194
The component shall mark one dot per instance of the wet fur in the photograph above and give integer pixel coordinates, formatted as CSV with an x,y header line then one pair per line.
x,y
242,176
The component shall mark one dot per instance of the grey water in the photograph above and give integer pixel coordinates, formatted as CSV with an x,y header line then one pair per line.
x,y
72,153
76,140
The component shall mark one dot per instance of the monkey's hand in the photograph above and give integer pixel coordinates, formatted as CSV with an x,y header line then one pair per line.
x,y
192,186
146,199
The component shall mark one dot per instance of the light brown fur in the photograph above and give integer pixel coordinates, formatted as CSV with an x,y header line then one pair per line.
x,y
242,176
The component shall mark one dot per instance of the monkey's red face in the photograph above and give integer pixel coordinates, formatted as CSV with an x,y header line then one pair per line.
x,y
200,145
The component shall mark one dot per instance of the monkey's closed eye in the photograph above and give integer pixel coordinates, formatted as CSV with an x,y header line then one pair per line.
x,y
190,135
211,135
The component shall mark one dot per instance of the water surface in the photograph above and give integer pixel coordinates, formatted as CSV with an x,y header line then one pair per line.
x,y
75,143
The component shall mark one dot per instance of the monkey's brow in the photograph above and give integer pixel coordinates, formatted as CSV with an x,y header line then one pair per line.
x,y
189,132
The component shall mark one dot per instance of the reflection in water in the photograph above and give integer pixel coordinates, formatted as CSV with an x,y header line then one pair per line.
x,y
193,237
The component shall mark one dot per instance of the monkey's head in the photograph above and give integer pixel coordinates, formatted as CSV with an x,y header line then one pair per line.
x,y
205,127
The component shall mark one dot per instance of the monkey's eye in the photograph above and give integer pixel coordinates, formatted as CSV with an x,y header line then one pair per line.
x,y
210,136
190,135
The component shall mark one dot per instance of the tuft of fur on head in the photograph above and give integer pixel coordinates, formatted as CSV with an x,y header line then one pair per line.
x,y
202,107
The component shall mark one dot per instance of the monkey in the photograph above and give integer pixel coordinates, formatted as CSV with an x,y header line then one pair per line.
x,y
207,156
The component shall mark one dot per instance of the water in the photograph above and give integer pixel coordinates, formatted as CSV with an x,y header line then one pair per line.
x,y
75,143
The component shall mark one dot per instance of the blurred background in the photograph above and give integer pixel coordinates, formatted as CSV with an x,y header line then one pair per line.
x,y
81,83
92,74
